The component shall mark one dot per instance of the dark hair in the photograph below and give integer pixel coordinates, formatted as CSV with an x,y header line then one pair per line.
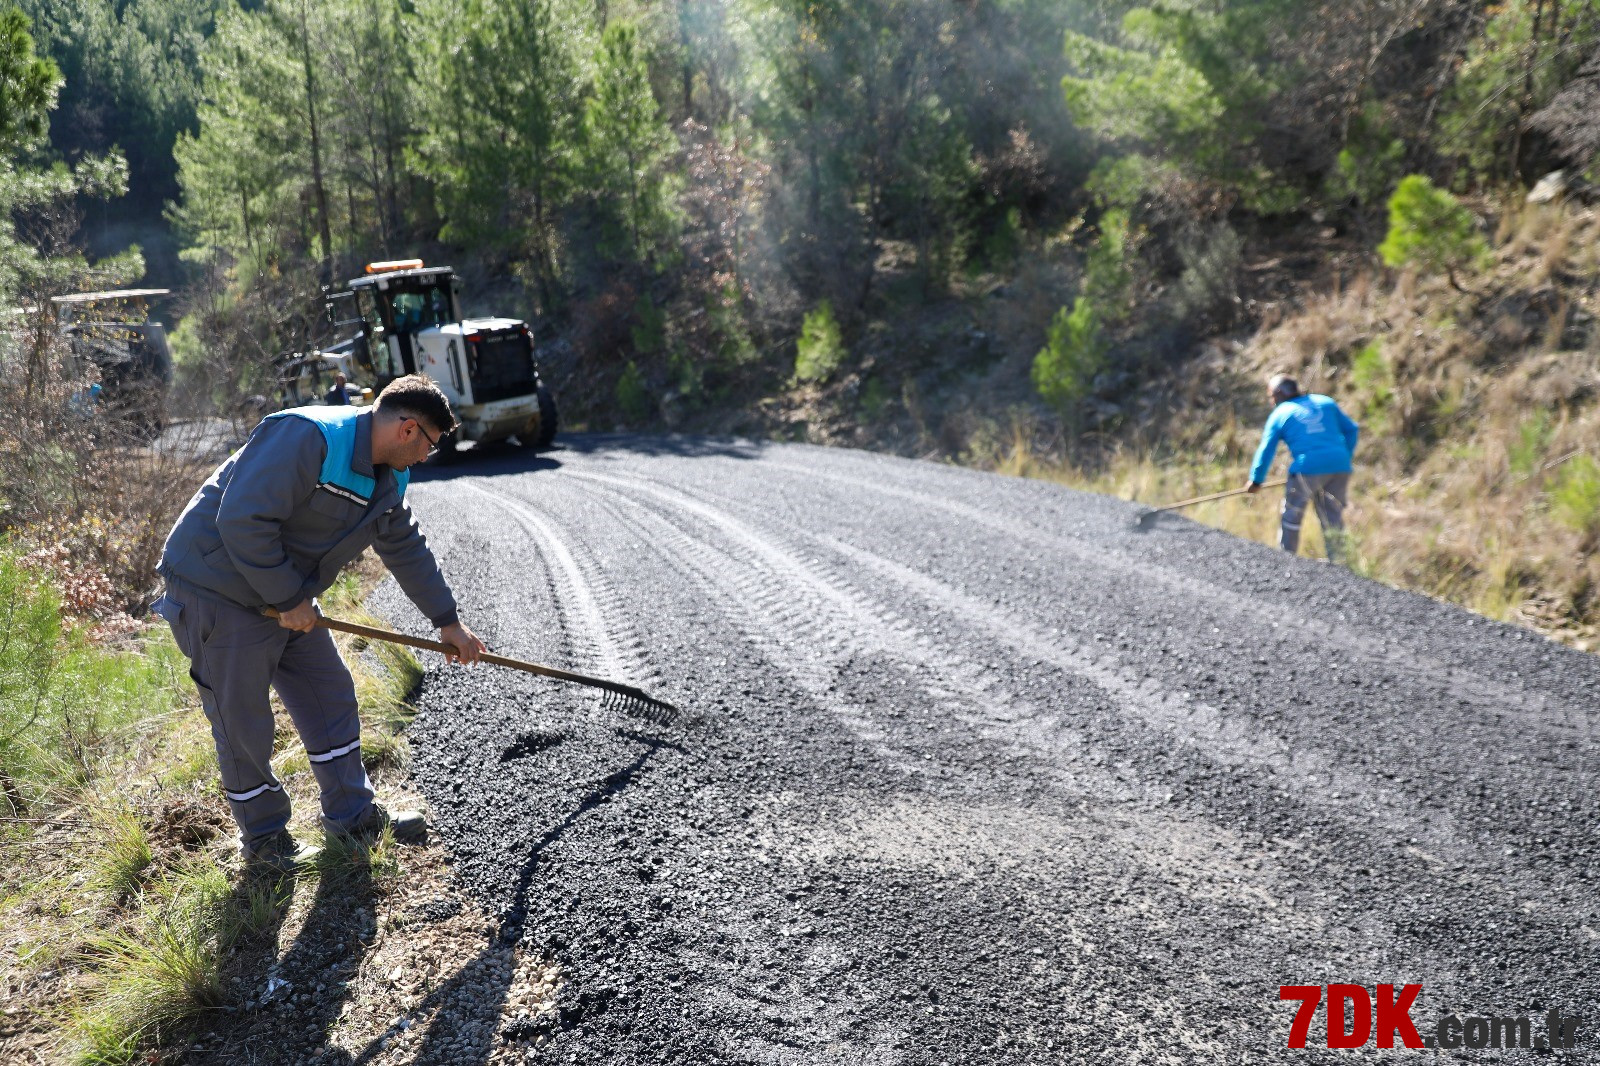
x,y
414,396
1283,385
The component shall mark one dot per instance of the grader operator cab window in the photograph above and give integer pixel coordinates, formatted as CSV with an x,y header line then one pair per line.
x,y
429,306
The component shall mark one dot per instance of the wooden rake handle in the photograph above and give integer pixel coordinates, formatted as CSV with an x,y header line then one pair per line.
x,y
390,637
1216,496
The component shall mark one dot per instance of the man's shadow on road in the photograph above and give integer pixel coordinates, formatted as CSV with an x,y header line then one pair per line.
x,y
285,1017
476,993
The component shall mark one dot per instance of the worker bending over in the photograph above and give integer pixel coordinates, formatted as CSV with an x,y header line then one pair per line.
x,y
310,490
1321,440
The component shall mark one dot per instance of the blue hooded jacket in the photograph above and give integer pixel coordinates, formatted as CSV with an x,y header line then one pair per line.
x,y
1320,437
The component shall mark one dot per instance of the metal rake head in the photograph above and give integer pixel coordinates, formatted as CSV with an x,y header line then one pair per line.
x,y
637,704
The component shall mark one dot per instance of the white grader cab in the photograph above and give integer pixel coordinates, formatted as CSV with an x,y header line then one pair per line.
x,y
410,322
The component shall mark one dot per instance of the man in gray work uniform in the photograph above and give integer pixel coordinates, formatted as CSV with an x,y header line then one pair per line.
x,y
272,527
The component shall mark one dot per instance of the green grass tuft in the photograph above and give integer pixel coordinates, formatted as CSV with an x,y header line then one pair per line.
x,y
157,973
1526,453
1372,376
1575,497
119,863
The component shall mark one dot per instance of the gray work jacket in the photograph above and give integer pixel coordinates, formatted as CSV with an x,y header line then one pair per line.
x,y
268,528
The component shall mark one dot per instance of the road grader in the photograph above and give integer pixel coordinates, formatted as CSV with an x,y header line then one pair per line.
x,y
408,320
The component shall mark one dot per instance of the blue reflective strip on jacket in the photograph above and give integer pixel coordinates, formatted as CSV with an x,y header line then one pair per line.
x,y
1321,438
338,426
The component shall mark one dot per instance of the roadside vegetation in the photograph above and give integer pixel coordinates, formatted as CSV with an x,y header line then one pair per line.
x,y
1476,479
123,912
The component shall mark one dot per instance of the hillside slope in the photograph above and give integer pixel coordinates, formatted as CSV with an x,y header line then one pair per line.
x,y
1476,480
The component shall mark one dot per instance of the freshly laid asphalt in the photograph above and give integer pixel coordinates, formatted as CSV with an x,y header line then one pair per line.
x,y
969,769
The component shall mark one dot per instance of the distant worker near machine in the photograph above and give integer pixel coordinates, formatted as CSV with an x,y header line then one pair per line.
x,y
1322,441
337,396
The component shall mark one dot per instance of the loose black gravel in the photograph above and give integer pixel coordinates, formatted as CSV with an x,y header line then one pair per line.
x,y
974,771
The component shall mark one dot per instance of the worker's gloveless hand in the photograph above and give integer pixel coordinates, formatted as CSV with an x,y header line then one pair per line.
x,y
301,618
1252,488
468,646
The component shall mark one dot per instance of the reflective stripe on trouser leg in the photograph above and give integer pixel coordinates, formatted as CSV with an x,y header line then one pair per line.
x,y
320,696
232,653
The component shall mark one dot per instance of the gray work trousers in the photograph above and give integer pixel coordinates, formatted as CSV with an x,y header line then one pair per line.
x,y
1327,492
234,655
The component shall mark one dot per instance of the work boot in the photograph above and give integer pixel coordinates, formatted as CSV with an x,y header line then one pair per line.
x,y
280,853
409,827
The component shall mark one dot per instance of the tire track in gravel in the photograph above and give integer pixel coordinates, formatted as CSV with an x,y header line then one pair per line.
x,y
788,596
1484,693
1175,716
612,644
827,881
810,626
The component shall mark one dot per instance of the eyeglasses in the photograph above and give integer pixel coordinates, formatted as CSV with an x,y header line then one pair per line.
x,y
433,443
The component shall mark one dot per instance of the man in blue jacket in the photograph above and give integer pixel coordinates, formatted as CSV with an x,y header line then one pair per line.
x,y
1321,440
273,526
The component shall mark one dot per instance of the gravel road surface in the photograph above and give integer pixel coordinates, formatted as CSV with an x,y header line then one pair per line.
x,y
971,770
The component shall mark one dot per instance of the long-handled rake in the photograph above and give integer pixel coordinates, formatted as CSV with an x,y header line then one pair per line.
x,y
1148,518
626,698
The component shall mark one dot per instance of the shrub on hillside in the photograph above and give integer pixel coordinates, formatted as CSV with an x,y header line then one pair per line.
x,y
1430,230
1073,353
633,397
1575,498
820,350
1209,284
63,701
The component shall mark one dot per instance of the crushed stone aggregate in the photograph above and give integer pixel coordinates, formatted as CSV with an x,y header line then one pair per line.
x,y
972,770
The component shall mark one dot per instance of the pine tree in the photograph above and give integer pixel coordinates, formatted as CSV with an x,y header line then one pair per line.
x,y
1429,229
497,90
28,84
627,146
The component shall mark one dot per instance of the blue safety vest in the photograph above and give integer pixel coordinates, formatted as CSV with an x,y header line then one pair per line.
x,y
338,426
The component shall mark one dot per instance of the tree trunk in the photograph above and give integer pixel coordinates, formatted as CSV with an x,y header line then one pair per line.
x,y
808,104
688,67
541,265
633,202
324,227
244,215
350,203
